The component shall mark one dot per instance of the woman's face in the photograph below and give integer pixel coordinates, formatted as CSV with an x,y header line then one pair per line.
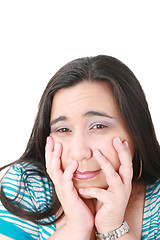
x,y
84,118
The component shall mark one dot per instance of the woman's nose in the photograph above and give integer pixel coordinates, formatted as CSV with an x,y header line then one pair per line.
x,y
80,148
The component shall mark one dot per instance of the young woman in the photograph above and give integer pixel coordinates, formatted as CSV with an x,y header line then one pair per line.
x,y
91,168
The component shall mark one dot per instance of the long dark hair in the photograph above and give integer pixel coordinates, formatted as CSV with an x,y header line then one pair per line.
x,y
133,107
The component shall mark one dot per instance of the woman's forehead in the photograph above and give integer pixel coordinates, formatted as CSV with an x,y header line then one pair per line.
x,y
85,96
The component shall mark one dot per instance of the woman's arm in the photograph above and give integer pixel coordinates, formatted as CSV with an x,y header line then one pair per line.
x,y
59,235
129,236
70,234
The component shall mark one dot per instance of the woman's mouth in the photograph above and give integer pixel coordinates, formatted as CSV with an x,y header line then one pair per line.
x,y
85,175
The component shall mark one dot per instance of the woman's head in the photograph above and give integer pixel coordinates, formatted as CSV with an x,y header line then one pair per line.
x,y
85,117
108,74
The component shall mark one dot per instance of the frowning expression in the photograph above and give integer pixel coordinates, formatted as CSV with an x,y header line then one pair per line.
x,y
84,118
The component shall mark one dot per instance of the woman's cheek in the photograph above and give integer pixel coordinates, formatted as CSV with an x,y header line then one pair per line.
x,y
110,153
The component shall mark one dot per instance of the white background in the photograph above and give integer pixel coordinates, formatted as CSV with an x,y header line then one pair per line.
x,y
38,37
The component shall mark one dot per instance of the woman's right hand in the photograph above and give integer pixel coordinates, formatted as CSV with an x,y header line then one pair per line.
x,y
79,213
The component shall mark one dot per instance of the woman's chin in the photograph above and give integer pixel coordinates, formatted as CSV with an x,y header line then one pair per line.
x,y
85,185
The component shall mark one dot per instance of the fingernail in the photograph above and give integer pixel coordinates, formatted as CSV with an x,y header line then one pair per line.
x,y
98,153
126,144
119,140
48,140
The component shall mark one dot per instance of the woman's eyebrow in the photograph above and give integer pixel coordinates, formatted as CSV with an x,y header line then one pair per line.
x,y
95,113
89,113
61,118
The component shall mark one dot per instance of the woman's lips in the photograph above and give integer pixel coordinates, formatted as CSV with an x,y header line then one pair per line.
x,y
85,175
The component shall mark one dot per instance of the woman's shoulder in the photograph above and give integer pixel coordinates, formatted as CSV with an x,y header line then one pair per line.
x,y
31,191
24,170
22,167
152,197
151,219
153,188
24,173
26,181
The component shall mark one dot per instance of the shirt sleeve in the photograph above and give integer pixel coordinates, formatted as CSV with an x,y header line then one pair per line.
x,y
151,216
35,195
11,230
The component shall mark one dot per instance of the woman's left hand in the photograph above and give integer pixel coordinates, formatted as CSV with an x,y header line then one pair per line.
x,y
111,203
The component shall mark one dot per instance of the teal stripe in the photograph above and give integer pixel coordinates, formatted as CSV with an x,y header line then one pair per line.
x,y
12,231
28,227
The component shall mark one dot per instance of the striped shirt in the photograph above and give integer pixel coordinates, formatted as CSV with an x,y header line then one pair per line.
x,y
151,216
37,197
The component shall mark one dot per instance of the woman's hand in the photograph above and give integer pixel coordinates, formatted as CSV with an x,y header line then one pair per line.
x,y
111,203
79,214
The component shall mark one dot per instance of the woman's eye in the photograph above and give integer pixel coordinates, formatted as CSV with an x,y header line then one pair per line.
x,y
98,126
63,130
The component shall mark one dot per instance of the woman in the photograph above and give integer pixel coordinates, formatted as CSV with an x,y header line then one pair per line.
x,y
91,167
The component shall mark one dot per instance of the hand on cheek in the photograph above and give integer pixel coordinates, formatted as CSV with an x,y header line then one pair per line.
x,y
112,203
82,217
125,157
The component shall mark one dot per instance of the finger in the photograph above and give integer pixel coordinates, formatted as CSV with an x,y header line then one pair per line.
x,y
97,193
48,152
112,177
53,155
56,159
69,171
67,182
49,143
124,154
48,149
